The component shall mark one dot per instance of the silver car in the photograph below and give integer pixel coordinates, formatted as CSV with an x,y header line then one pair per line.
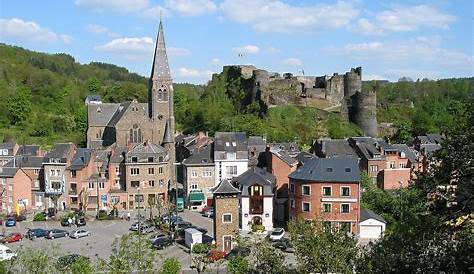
x,y
80,233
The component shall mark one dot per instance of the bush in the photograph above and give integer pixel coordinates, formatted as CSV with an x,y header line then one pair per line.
x,y
258,228
39,217
170,266
103,215
201,248
238,265
215,255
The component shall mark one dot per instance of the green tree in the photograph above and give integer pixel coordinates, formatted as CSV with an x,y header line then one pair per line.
x,y
19,105
171,266
238,265
199,257
94,86
82,266
268,259
34,260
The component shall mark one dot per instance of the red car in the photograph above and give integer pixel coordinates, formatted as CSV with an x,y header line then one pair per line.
x,y
12,237
205,209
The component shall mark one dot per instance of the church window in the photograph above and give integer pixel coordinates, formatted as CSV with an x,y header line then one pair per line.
x,y
162,93
136,134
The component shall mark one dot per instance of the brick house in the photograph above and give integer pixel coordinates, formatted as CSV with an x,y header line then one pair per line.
x,y
77,174
15,189
226,215
198,178
117,180
328,190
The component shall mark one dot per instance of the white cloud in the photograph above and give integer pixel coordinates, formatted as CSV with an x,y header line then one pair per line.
x,y
191,7
294,62
178,51
155,12
97,29
118,6
404,19
28,31
216,61
193,73
272,50
246,50
277,16
128,45
370,77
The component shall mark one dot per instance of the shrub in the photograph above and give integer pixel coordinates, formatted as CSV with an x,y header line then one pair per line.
x,y
170,266
201,248
258,228
39,217
238,265
215,255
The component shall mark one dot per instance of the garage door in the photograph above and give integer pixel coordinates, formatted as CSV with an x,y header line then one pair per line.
x,y
370,231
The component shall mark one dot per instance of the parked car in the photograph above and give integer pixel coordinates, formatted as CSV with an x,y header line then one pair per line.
x,y
238,251
180,226
205,209
200,229
65,222
10,221
135,226
36,233
6,253
81,221
57,233
171,219
66,261
284,245
80,233
12,237
209,213
277,234
146,228
162,242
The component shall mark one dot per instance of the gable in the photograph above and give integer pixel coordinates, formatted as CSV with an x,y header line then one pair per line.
x,y
134,113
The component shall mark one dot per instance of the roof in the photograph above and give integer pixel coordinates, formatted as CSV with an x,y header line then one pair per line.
x,y
28,150
201,156
366,214
160,68
225,187
59,150
25,162
428,149
93,97
100,115
336,148
224,141
8,145
256,141
147,148
117,155
337,169
435,138
167,136
80,159
291,148
285,157
8,172
409,152
367,147
119,113
302,157
255,175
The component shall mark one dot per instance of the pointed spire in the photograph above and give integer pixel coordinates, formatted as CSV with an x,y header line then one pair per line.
x,y
160,68
167,137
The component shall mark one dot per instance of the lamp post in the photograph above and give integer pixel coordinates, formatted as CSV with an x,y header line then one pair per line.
x,y
139,232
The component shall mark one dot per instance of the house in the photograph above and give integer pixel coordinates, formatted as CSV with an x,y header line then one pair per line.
x,y
8,151
230,155
226,215
147,174
328,148
15,189
55,163
426,145
327,190
371,226
256,151
30,150
93,99
401,163
117,180
81,194
199,172
256,199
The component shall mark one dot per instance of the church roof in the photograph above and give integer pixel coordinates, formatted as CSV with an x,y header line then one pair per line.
x,y
100,114
160,68
147,148
167,137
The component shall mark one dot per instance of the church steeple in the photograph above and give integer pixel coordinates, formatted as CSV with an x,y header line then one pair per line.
x,y
160,69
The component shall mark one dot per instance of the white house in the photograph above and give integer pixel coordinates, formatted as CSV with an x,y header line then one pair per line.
x,y
256,199
371,226
230,155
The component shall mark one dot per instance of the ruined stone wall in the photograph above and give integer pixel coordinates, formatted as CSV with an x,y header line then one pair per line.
x,y
335,89
364,112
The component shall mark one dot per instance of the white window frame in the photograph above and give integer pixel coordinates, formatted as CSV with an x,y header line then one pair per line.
x,y
349,205
91,185
323,209
101,185
224,222
194,173
322,191
292,203
302,206
342,192
374,168
302,190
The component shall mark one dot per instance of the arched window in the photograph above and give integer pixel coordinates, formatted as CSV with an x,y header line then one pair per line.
x,y
136,134
162,93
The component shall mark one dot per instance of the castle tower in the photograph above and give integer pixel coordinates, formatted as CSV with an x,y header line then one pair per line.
x,y
364,111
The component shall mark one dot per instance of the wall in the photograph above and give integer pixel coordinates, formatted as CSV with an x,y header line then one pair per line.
x,y
267,209
143,178
204,183
242,166
225,204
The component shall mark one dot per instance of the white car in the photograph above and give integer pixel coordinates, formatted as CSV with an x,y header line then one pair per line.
x,y
6,253
277,234
80,233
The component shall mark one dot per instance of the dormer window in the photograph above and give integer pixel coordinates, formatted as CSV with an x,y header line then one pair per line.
x,y
151,159
347,169
329,169
134,159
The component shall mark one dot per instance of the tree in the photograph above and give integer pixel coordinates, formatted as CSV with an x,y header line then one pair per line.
x,y
321,249
238,265
34,260
132,253
19,105
170,266
82,266
268,259
199,257
94,86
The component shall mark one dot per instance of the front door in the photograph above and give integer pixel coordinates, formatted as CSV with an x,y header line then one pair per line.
x,y
227,244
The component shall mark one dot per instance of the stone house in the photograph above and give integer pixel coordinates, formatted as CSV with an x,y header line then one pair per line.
x,y
15,189
8,151
230,155
226,215
256,151
327,190
55,163
198,175
147,174
117,180
256,198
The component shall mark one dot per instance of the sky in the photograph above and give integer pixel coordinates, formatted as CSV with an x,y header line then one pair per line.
x,y
389,39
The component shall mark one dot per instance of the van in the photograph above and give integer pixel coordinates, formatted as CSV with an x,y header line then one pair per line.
x,y
6,253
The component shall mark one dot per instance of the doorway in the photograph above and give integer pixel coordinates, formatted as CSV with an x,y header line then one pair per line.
x,y
227,244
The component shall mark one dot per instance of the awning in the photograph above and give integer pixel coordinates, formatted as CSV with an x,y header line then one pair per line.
x,y
196,196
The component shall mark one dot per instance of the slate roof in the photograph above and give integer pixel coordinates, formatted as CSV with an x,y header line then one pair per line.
x,y
119,114
291,148
435,138
167,136
428,149
222,138
256,141
337,169
225,187
93,97
147,148
8,145
28,150
336,148
80,159
409,153
366,146
59,150
160,68
302,157
117,155
26,162
366,214
285,157
8,172
201,156
100,114
255,175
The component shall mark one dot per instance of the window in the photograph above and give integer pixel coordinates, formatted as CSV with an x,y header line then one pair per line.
x,y
207,173
194,187
374,180
151,159
306,207
160,159
194,173
392,164
135,171
329,169
101,185
10,188
37,184
347,169
73,174
292,188
117,170
403,165
345,208
292,203
151,183
135,183
231,155
160,170
226,218
4,181
151,171
56,185
327,191
327,208
135,134
345,191
91,184
37,171
52,172
306,190
227,144
5,152
134,159
231,171
374,168
160,182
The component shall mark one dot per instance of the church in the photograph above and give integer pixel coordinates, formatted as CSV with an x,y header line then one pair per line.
x,y
131,123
